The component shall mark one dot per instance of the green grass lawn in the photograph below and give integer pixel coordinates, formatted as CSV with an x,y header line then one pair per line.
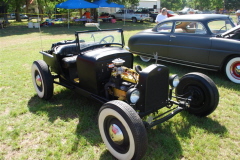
x,y
65,127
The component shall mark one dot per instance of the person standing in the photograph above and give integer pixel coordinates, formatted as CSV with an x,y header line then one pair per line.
x,y
238,17
161,16
191,11
87,14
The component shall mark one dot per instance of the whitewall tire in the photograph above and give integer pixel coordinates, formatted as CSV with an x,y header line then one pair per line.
x,y
122,130
42,79
232,70
145,59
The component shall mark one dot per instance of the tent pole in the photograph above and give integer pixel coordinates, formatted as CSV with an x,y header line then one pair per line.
x,y
124,15
98,20
68,18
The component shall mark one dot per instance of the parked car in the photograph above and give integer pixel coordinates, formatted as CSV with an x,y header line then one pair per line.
x,y
97,66
22,16
134,16
152,16
187,10
206,41
208,12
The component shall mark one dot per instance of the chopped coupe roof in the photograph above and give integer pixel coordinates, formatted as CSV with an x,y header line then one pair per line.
x,y
197,17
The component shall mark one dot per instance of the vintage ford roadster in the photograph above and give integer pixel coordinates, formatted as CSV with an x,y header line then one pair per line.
x,y
96,65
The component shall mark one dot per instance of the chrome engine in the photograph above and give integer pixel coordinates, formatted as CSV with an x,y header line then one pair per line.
x,y
122,84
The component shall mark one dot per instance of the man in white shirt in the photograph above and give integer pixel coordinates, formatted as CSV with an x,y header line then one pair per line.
x,y
161,16
238,17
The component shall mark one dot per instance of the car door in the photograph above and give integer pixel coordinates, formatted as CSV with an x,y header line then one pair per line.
x,y
189,43
152,41
158,42
119,14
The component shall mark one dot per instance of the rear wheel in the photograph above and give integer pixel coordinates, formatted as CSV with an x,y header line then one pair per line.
x,y
42,79
151,19
134,20
232,70
122,130
145,59
201,90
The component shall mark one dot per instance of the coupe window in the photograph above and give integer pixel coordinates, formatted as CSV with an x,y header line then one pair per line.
x,y
165,27
192,27
220,26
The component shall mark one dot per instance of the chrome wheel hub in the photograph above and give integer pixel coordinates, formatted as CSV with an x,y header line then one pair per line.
x,y
237,69
116,134
38,80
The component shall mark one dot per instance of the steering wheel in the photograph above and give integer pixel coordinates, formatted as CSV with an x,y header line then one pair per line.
x,y
221,28
107,39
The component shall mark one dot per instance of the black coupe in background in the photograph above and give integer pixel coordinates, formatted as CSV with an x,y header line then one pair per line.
x,y
208,41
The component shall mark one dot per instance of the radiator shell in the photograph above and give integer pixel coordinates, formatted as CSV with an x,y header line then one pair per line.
x,y
154,87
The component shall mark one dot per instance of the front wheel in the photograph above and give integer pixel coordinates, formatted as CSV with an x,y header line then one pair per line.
x,y
122,130
202,92
232,70
42,79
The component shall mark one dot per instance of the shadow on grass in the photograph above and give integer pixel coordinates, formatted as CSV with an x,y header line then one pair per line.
x,y
63,28
206,123
218,77
164,139
163,142
67,105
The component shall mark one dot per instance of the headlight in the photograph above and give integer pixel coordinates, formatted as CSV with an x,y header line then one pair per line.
x,y
133,95
174,80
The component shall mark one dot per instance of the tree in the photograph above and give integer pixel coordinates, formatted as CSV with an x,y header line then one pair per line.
x,y
231,4
206,4
49,6
18,4
173,4
27,2
3,9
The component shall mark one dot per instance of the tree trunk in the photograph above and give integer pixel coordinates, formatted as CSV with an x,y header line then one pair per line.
x,y
80,12
17,15
27,5
5,17
40,9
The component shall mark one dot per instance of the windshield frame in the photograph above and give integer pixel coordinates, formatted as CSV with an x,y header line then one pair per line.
x,y
79,38
211,29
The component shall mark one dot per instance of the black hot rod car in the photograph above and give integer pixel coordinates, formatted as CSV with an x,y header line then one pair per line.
x,y
96,65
